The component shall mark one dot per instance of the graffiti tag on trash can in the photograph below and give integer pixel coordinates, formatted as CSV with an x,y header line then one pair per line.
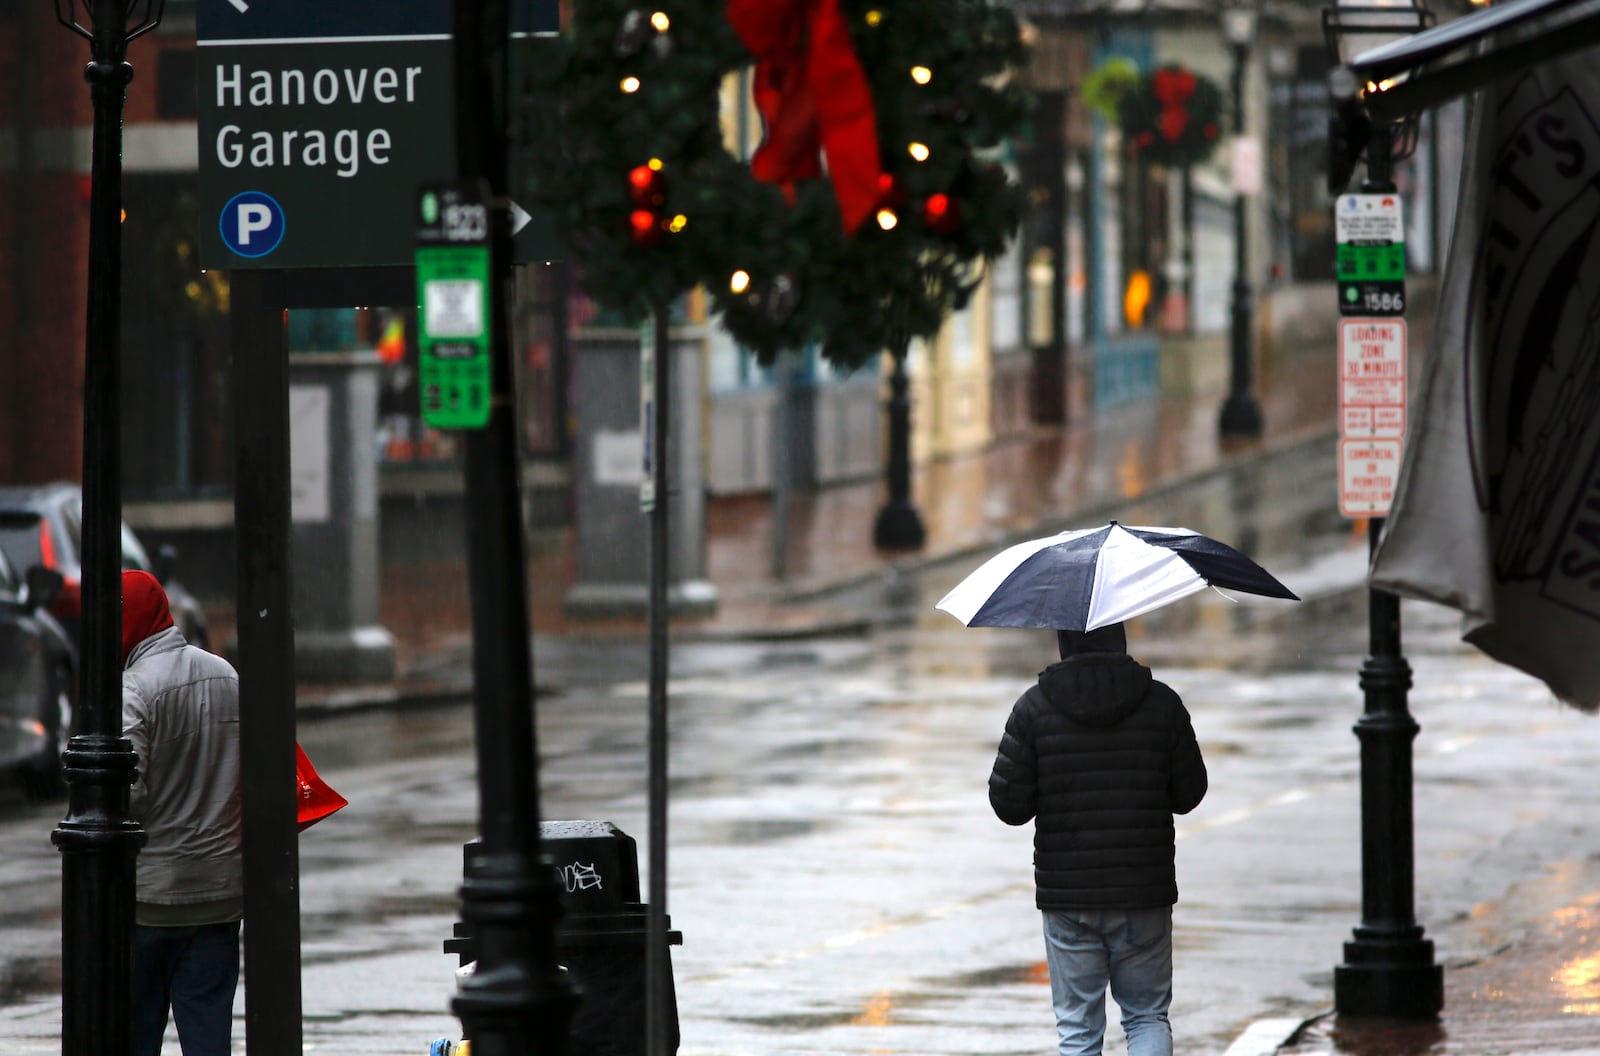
x,y
580,877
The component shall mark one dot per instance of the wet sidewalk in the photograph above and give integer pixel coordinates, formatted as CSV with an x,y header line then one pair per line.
x,y
1538,992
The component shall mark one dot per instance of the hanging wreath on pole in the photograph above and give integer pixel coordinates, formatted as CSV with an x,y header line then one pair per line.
x,y
1171,116
861,221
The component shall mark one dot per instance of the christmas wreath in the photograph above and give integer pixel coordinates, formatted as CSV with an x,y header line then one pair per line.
x,y
862,219
1171,117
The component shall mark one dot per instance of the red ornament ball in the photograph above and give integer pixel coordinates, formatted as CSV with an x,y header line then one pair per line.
x,y
644,227
890,194
647,186
941,214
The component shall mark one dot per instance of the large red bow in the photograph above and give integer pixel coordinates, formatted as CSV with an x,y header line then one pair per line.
x,y
813,96
1173,86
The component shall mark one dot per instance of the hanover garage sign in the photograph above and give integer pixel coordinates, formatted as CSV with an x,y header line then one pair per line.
x,y
317,123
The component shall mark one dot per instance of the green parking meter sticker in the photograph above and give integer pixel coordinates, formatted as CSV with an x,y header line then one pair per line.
x,y
1371,255
452,263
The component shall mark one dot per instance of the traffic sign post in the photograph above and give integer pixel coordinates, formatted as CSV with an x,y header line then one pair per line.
x,y
1372,413
317,123
1388,968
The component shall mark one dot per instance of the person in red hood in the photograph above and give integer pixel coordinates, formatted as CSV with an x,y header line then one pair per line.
x,y
180,708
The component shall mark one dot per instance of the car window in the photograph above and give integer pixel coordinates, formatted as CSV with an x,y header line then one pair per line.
x,y
8,578
19,538
133,555
133,552
72,520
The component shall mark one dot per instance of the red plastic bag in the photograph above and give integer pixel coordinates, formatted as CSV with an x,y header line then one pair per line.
x,y
317,800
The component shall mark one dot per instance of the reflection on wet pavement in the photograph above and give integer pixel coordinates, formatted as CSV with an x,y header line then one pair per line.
x,y
1537,988
1002,975
753,830
24,977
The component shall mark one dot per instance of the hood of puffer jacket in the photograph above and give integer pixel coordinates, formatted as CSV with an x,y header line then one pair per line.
x,y
1096,689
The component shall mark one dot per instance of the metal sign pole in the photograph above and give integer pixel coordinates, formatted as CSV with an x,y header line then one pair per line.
x,y
658,970
272,992
515,1001
1388,967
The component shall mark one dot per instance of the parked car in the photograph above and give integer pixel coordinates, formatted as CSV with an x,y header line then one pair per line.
x,y
43,526
38,679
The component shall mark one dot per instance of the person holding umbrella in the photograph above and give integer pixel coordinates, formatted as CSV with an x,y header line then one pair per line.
x,y
1099,755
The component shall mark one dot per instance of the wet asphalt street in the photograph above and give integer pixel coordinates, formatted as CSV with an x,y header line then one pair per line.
x,y
839,880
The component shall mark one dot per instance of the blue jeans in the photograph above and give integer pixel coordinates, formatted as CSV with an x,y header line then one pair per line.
x,y
1129,949
194,971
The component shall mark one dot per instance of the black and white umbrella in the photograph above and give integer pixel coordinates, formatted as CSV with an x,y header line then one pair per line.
x,y
1080,580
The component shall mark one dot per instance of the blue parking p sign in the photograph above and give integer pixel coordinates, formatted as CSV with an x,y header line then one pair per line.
x,y
252,224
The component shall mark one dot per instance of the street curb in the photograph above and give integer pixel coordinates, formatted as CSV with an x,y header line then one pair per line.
x,y
835,627
1265,1037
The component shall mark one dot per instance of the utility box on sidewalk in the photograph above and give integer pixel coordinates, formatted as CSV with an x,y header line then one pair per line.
x,y
612,534
600,939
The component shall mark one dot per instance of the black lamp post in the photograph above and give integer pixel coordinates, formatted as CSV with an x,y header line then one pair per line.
x,y
98,838
1388,968
517,1000
899,526
1241,414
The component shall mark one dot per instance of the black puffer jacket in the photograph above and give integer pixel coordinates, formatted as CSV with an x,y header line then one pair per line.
x,y
1102,755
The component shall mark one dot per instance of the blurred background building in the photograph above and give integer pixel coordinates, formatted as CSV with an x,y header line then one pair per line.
x,y
1117,290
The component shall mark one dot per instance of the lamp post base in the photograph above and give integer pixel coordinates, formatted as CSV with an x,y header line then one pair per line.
x,y
899,527
1241,416
1389,979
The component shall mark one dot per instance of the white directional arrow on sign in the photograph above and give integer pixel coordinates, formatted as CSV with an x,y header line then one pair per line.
x,y
519,218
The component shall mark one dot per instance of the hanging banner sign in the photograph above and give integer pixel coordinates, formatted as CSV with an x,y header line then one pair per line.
x,y
1372,413
1371,260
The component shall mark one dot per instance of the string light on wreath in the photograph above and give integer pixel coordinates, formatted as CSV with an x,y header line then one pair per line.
x,y
739,281
918,151
921,74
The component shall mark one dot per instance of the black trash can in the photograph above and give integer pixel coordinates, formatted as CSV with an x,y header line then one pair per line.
x,y
601,938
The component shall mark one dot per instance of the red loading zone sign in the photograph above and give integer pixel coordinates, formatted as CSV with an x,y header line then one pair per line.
x,y
1372,413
